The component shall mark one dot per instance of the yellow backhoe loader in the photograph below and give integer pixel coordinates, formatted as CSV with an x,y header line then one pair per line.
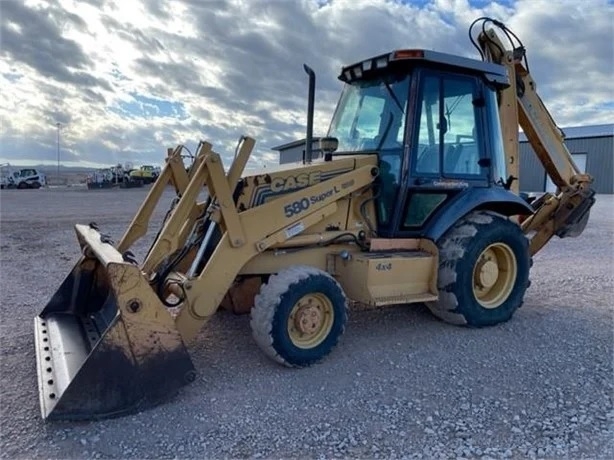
x,y
411,197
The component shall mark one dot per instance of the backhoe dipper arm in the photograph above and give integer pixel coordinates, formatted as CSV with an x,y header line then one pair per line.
x,y
565,213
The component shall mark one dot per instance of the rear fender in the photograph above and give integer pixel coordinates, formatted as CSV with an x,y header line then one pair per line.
x,y
498,200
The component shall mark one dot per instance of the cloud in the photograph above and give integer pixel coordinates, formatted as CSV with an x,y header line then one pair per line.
x,y
33,37
126,80
573,62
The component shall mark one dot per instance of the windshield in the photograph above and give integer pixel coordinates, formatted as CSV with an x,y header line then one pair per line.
x,y
371,114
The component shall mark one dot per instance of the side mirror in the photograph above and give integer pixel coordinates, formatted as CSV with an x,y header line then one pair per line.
x,y
326,145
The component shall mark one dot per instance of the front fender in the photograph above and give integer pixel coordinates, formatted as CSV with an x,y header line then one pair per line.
x,y
494,199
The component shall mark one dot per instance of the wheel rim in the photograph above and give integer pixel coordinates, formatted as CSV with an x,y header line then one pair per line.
x,y
310,320
494,275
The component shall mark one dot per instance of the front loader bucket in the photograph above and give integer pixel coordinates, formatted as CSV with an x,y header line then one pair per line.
x,y
105,344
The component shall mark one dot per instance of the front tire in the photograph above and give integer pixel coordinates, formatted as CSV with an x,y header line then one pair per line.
x,y
299,316
483,271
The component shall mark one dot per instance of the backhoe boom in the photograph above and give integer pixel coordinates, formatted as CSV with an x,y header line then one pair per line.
x,y
565,213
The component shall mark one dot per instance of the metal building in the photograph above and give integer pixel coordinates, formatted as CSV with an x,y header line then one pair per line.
x,y
294,151
592,148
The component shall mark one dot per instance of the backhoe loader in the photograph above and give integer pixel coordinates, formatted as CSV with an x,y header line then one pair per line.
x,y
413,199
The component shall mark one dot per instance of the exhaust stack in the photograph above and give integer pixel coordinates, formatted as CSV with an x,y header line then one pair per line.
x,y
307,156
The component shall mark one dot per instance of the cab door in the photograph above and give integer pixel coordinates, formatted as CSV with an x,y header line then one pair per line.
x,y
448,153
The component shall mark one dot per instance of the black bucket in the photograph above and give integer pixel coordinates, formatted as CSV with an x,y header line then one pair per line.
x,y
105,344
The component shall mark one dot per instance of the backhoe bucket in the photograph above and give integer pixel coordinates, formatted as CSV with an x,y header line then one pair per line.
x,y
105,344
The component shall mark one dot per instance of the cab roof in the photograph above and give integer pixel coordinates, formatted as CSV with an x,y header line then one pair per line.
x,y
403,59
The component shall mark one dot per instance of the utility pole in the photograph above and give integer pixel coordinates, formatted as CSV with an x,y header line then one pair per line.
x,y
58,125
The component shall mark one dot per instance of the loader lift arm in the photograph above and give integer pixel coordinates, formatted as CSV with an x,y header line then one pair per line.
x,y
565,213
243,234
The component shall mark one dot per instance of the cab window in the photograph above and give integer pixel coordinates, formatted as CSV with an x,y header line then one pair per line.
x,y
371,114
448,144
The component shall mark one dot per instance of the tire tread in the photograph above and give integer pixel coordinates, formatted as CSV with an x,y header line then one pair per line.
x,y
267,300
453,245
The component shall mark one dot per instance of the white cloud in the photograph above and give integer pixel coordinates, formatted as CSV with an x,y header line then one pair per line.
x,y
236,66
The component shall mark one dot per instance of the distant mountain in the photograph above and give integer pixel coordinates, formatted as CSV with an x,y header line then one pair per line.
x,y
53,169
49,170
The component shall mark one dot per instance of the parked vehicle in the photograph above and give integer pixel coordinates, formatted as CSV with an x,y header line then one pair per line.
x,y
21,178
146,173
115,176
408,203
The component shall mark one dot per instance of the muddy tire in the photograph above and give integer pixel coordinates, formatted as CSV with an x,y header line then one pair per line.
x,y
484,266
299,316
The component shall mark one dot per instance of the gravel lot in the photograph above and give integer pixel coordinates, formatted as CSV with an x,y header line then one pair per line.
x,y
401,383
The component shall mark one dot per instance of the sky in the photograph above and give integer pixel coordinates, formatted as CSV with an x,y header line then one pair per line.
x,y
128,79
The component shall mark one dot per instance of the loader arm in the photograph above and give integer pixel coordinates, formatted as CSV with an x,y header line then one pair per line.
x,y
173,173
565,213
244,234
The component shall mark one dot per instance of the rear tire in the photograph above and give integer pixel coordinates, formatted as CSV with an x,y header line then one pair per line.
x,y
299,316
484,265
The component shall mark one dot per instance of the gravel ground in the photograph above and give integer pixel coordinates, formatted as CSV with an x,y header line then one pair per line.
x,y
401,383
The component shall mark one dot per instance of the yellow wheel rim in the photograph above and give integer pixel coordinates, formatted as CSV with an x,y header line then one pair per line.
x,y
311,320
494,275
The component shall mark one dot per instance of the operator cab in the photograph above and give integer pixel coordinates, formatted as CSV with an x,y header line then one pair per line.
x,y
433,121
